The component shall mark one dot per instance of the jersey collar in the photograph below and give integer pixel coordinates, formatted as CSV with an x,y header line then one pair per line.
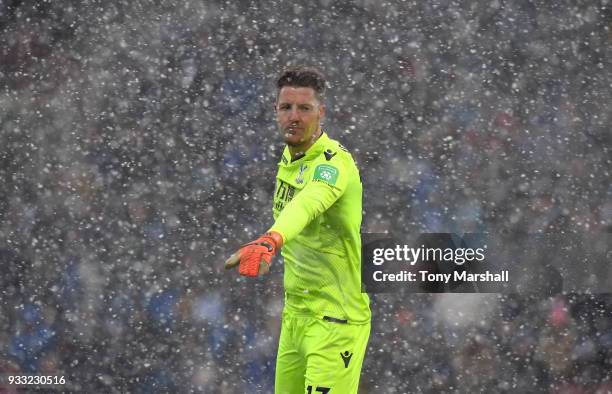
x,y
312,152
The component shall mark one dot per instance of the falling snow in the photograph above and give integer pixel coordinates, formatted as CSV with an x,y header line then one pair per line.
x,y
138,149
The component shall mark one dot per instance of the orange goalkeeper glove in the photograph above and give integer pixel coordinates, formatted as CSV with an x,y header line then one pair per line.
x,y
256,257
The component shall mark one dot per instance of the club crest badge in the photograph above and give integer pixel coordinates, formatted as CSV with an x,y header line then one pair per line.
x,y
300,178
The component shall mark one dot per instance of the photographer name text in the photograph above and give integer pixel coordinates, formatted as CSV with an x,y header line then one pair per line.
x,y
426,276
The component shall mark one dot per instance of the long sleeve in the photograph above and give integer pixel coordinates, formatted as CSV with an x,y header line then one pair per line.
x,y
316,197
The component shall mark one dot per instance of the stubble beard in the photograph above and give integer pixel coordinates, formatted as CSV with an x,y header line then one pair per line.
x,y
302,141
290,138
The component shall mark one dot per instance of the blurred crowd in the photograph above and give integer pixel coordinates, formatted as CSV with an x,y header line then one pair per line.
x,y
138,150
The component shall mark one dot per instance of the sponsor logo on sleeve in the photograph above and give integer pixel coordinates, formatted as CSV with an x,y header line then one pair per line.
x,y
326,173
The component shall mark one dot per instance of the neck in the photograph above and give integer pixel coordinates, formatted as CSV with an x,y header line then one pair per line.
x,y
297,151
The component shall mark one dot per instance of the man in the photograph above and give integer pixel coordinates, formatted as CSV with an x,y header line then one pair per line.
x,y
317,212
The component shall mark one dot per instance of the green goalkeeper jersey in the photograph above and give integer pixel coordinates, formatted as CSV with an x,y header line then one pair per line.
x,y
317,210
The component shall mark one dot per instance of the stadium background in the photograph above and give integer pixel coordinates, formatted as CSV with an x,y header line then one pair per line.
x,y
138,148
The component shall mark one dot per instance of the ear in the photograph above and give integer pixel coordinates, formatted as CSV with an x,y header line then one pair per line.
x,y
322,110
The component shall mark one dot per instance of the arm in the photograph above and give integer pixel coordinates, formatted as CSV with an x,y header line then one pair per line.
x,y
316,197
326,187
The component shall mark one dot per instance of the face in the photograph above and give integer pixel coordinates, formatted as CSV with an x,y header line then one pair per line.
x,y
299,113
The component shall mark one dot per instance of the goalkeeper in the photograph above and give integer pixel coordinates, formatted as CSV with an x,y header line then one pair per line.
x,y
317,211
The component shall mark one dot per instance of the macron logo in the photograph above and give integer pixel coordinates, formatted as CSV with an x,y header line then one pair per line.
x,y
346,357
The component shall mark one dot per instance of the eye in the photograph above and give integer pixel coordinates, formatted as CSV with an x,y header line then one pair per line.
x,y
305,108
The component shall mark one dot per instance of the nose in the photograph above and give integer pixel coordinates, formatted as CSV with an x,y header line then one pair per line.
x,y
293,114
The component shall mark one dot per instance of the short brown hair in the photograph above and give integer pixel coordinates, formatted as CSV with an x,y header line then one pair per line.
x,y
303,77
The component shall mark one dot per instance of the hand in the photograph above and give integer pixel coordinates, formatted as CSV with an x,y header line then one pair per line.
x,y
255,257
